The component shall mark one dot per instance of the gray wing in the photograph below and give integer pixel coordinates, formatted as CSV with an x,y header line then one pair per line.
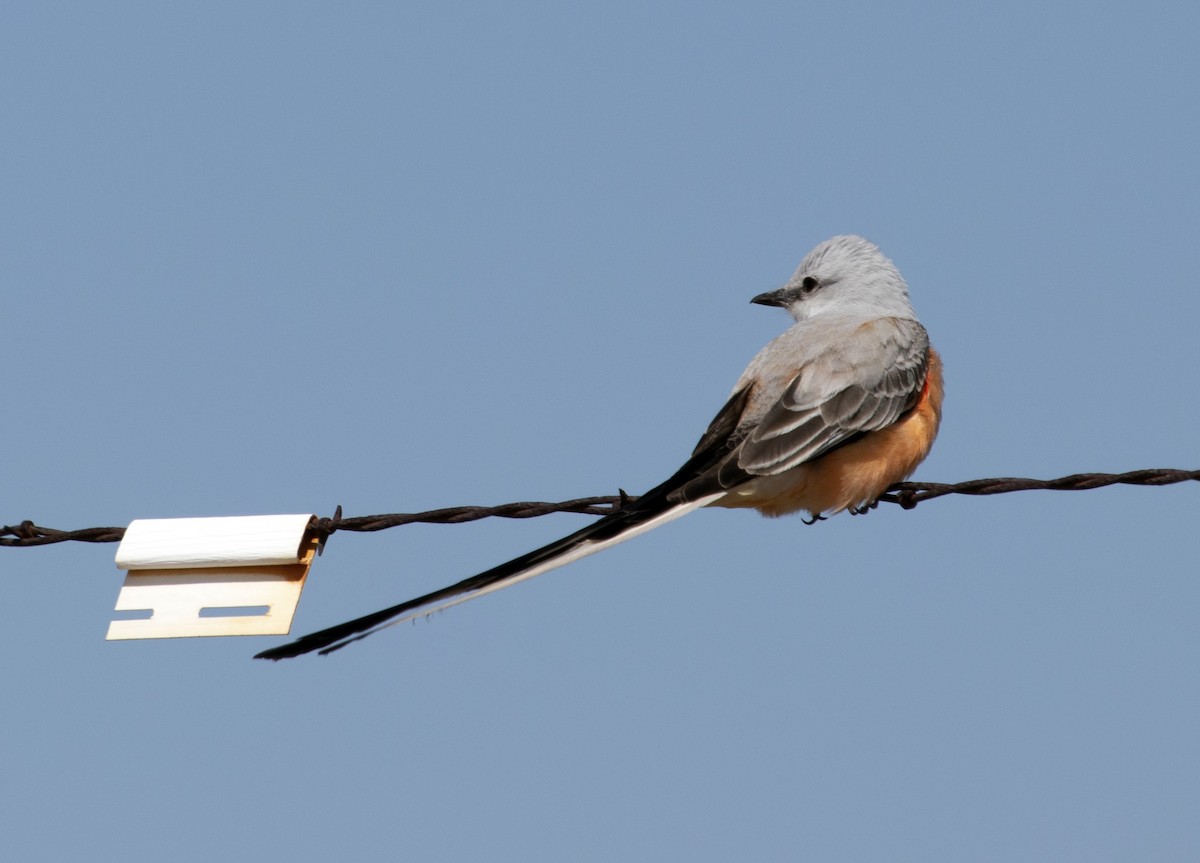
x,y
863,384
863,379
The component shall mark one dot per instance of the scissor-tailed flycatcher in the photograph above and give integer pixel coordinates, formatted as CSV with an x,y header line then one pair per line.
x,y
825,418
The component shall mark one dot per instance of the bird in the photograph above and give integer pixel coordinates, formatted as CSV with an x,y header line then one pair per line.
x,y
828,415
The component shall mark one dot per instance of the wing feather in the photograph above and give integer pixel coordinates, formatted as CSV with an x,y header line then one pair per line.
x,y
868,384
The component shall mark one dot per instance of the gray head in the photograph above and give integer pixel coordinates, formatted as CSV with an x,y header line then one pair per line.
x,y
843,276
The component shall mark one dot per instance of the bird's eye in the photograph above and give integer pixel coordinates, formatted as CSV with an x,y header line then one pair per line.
x,y
809,285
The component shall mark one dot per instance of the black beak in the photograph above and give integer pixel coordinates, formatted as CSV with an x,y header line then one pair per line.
x,y
778,298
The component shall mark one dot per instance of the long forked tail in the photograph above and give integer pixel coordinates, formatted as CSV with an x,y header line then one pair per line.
x,y
663,503
608,531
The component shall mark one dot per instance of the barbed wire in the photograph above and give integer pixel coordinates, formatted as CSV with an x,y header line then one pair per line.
x,y
909,494
905,494
28,534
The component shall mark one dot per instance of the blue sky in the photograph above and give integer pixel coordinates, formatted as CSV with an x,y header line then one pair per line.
x,y
271,258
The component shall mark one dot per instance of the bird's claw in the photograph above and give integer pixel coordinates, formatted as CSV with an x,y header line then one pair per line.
x,y
864,509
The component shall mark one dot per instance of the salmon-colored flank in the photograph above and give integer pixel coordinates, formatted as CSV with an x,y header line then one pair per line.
x,y
856,474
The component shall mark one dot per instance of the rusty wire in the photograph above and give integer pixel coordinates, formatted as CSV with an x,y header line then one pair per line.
x,y
906,494
28,534
909,494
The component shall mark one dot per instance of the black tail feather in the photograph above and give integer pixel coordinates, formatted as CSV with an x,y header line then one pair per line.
x,y
716,444
326,640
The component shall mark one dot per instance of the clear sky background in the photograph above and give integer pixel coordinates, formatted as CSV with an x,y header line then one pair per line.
x,y
276,257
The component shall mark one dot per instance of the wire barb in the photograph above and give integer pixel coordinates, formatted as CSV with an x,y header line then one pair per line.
x,y
906,494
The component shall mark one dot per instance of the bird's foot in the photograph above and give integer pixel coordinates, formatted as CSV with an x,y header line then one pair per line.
x,y
862,510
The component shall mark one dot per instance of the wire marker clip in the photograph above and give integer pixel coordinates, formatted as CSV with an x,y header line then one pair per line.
x,y
213,576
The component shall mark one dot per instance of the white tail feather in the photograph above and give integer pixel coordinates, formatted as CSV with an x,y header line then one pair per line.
x,y
571,555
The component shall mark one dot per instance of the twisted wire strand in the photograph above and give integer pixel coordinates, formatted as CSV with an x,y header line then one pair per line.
x,y
906,494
